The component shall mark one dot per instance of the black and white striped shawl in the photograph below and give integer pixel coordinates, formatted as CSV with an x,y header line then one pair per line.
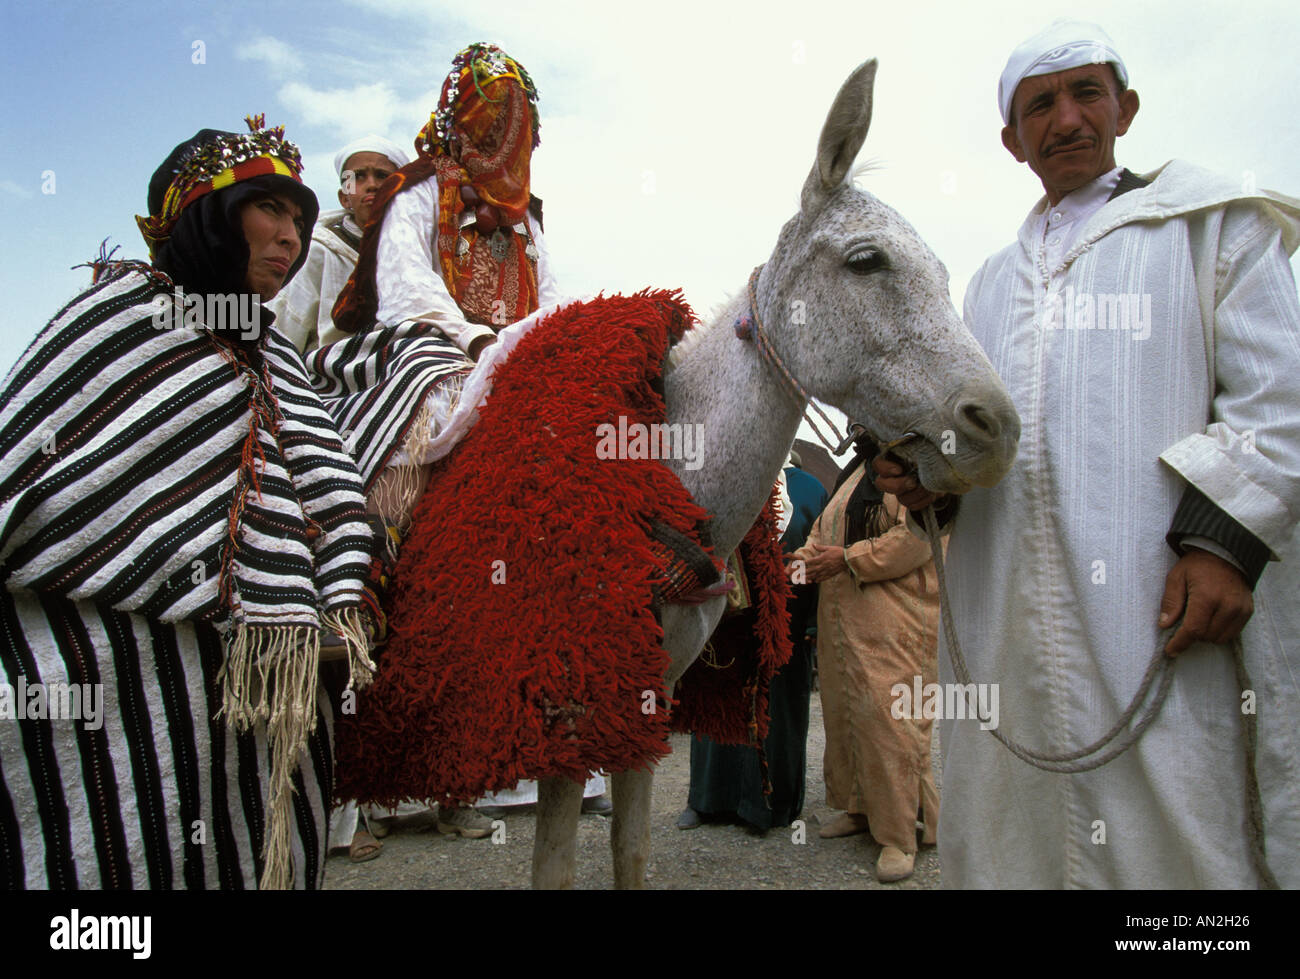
x,y
375,385
162,793
165,474
126,446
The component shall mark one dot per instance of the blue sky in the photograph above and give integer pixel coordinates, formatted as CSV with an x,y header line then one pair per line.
x,y
675,135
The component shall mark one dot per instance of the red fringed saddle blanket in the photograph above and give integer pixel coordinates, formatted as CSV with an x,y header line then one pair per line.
x,y
723,696
523,640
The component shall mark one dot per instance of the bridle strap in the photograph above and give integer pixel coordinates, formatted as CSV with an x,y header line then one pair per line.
x,y
750,327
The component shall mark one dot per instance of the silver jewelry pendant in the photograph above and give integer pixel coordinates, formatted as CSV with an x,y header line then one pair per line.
x,y
530,252
462,246
500,246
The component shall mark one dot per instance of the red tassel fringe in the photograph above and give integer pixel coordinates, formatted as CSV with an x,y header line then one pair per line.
x,y
727,701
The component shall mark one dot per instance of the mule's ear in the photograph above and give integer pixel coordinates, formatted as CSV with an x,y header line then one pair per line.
x,y
843,133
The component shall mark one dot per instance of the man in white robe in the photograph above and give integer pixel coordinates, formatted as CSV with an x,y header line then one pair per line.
x,y
303,310
1148,331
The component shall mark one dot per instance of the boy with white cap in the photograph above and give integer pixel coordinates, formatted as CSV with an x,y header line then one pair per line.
x,y
303,311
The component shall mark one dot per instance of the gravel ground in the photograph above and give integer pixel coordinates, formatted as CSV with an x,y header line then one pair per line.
x,y
712,857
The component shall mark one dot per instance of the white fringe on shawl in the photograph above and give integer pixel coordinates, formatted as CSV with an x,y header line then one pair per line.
x,y
270,674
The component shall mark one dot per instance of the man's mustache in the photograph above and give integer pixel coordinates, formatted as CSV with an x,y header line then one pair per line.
x,y
1068,141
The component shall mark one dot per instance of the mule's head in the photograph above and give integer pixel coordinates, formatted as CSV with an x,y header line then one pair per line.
x,y
858,308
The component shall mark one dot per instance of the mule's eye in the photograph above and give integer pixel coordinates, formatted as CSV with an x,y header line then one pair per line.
x,y
866,261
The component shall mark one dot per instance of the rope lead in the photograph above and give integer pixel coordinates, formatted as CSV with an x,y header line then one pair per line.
x,y
1119,738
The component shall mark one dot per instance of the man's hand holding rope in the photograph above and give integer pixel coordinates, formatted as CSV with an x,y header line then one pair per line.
x,y
1212,597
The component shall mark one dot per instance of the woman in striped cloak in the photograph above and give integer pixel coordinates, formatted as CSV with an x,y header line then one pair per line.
x,y
178,523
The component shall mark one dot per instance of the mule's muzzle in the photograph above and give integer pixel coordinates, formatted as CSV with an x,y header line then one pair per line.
x,y
986,427
977,422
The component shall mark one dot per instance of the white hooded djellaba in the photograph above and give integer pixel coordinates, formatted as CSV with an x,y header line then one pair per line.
x,y
1058,572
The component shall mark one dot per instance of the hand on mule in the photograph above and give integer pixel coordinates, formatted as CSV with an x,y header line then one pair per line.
x,y
1211,595
892,478
480,344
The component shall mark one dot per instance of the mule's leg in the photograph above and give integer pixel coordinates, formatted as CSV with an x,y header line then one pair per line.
x,y
631,830
686,627
559,803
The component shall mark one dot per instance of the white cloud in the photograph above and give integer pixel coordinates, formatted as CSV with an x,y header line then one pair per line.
x,y
281,59
344,110
402,8
318,174
16,189
346,113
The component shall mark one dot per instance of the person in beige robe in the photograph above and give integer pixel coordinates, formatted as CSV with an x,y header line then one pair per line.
x,y
877,626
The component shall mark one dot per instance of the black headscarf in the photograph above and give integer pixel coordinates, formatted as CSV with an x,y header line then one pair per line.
x,y
864,515
207,253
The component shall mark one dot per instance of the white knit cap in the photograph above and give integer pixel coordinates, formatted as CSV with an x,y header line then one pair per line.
x,y
370,144
1063,45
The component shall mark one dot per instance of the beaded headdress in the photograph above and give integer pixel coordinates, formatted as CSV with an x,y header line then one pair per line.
x,y
474,67
216,162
